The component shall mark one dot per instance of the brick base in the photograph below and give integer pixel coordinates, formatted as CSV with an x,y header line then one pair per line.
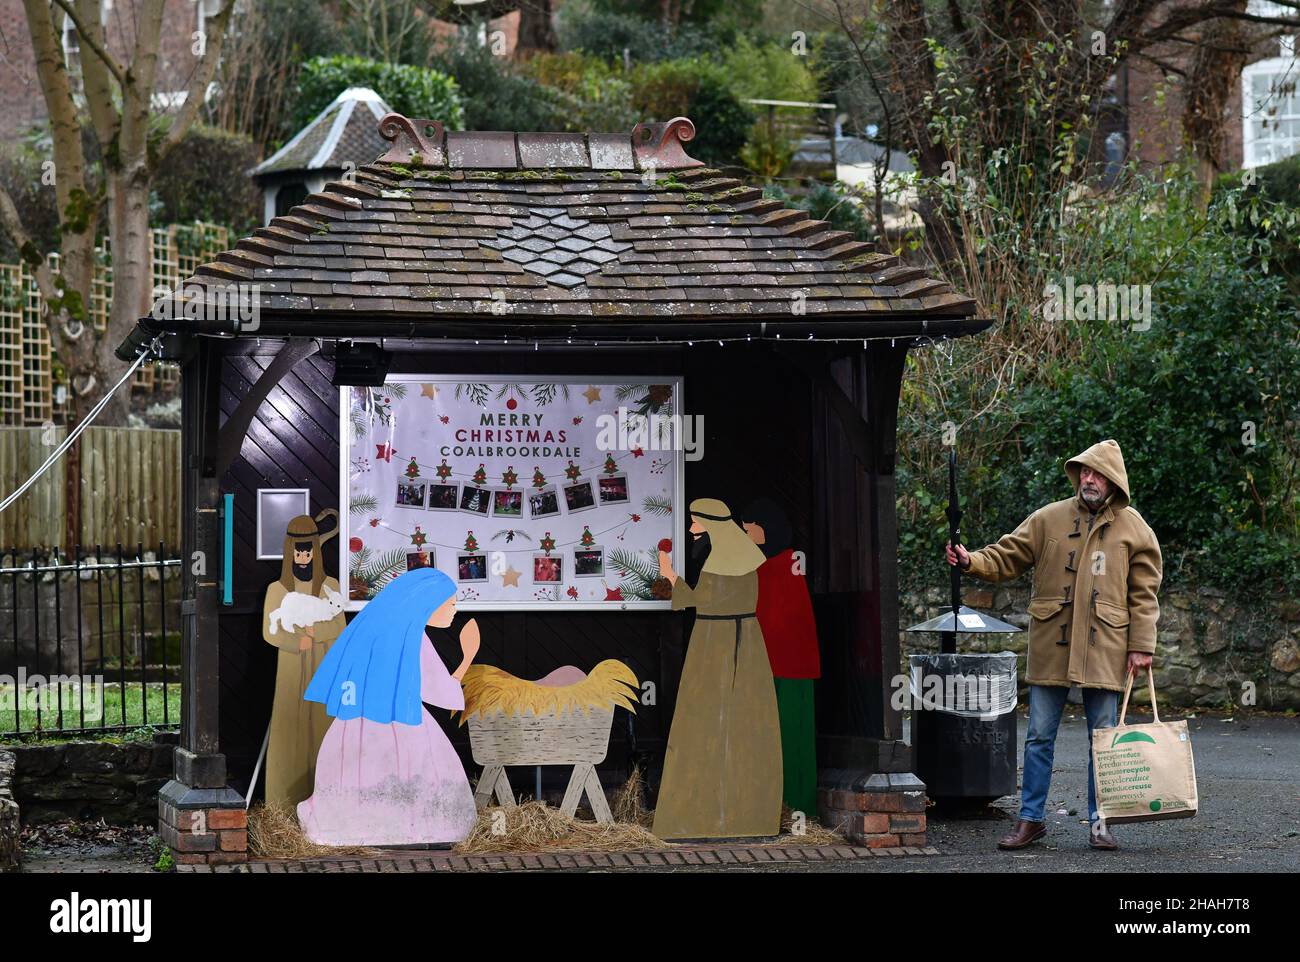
x,y
880,811
203,826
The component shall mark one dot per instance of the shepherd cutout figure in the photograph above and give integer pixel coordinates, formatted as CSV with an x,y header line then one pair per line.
x,y
722,770
386,774
301,617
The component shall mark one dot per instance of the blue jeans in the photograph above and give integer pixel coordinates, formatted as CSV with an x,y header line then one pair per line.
x,y
1046,702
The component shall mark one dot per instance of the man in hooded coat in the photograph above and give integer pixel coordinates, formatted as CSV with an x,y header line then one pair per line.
x,y
1097,568
297,726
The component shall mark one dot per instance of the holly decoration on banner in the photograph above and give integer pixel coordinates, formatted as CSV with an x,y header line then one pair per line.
x,y
419,538
471,542
509,478
443,471
413,469
539,479
587,539
657,395
572,472
611,466
548,543
480,476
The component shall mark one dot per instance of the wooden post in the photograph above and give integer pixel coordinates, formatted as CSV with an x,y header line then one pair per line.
x,y
854,565
200,552
200,817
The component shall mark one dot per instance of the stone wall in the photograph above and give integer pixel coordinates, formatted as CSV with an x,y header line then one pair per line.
x,y
115,781
10,842
1212,651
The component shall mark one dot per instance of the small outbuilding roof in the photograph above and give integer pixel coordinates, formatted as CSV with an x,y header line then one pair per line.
x,y
344,133
541,227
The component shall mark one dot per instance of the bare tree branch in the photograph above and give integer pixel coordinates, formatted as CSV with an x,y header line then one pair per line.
x,y
93,39
97,78
214,39
13,226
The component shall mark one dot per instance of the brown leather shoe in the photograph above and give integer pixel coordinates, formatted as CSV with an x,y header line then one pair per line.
x,y
1023,834
1099,837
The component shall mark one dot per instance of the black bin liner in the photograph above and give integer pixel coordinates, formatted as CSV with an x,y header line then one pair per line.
x,y
964,724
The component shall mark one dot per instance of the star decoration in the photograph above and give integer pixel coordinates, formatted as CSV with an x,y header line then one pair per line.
x,y
592,394
572,471
384,452
429,390
419,538
510,577
614,594
548,543
443,471
509,478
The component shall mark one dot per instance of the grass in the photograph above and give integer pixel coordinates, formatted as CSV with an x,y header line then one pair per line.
x,y
139,711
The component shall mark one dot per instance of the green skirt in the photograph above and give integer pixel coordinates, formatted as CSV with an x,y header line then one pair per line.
x,y
794,702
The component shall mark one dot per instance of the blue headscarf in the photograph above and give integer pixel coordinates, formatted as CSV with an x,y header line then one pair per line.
x,y
376,660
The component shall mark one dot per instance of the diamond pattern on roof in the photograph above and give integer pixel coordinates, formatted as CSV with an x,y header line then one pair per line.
x,y
550,239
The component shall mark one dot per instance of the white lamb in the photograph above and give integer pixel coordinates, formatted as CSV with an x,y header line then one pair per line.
x,y
298,610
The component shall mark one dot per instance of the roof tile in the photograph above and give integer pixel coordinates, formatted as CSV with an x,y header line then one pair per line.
x,y
562,225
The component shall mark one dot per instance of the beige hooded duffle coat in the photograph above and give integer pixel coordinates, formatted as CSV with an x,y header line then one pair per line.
x,y
1095,580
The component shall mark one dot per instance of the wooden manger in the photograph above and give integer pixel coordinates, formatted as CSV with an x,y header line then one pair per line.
x,y
562,719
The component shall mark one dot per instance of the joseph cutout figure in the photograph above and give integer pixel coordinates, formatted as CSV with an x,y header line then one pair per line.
x,y
722,769
298,726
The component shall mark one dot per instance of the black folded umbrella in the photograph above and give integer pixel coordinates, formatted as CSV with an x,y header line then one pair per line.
x,y
967,620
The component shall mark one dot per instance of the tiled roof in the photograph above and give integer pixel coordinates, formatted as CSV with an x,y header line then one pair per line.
x,y
346,132
563,226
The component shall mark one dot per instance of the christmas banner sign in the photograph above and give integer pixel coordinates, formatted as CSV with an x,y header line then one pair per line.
x,y
529,495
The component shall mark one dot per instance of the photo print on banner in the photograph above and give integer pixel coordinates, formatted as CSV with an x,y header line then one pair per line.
x,y
527,495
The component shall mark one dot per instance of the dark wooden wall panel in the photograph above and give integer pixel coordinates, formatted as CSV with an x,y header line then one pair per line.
x,y
767,432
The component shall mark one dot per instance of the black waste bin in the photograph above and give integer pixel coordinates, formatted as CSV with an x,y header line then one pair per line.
x,y
964,726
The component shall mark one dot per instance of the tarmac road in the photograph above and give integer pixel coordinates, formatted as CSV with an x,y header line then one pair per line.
x,y
1248,779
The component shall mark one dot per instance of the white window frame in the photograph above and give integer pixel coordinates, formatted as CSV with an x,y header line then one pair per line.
x,y
1276,67
205,9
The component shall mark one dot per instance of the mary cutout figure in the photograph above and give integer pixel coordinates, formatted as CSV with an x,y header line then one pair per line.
x,y
386,774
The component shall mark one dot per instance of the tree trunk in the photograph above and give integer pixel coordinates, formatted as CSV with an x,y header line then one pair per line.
x,y
1214,77
536,32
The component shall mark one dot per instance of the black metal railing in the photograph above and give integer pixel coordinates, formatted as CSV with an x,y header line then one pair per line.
x,y
89,643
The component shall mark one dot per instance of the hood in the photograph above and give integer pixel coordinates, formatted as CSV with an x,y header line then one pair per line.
x,y
1104,457
731,552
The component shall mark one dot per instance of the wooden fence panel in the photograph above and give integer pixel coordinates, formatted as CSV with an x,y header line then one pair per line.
x,y
130,487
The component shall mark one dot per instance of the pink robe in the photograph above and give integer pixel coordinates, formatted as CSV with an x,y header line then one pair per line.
x,y
392,784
